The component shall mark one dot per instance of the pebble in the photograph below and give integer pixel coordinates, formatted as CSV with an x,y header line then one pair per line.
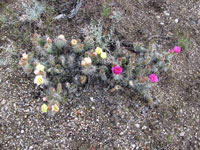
x,y
133,146
92,99
162,23
158,17
59,16
182,133
198,22
3,102
137,125
144,127
144,110
166,13
176,20
22,131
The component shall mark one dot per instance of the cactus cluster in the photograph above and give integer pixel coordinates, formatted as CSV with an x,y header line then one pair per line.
x,y
62,68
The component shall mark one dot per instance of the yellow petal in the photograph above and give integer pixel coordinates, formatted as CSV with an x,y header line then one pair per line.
x,y
44,108
40,67
98,50
38,80
103,55
55,108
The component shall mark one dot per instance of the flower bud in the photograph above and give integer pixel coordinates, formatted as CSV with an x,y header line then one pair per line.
x,y
52,90
60,41
139,77
24,56
49,41
37,72
55,108
148,66
36,35
49,107
88,61
73,42
114,65
45,98
83,64
102,71
67,84
94,54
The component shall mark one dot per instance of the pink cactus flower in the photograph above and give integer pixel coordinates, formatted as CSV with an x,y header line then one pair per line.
x,y
177,49
117,70
171,51
153,78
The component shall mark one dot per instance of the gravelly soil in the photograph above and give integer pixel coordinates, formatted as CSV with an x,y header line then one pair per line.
x,y
113,120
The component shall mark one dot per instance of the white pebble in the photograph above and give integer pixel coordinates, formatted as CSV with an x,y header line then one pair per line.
x,y
176,20
144,127
92,99
3,102
166,13
182,133
133,146
158,17
137,125
162,23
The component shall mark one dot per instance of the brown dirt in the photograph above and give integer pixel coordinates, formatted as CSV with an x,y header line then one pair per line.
x,y
100,119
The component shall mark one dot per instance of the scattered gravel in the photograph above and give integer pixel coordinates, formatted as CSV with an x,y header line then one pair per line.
x,y
119,120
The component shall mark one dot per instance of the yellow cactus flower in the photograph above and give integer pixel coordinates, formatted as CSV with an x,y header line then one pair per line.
x,y
40,67
98,50
55,108
103,55
44,108
38,80
73,42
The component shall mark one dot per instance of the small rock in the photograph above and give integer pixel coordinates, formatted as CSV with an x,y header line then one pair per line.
x,y
158,17
166,13
3,102
162,23
182,133
92,99
133,146
198,22
22,131
144,127
137,125
144,110
60,16
176,20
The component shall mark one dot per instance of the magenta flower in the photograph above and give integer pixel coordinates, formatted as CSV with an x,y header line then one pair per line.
x,y
153,78
117,70
171,51
177,49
